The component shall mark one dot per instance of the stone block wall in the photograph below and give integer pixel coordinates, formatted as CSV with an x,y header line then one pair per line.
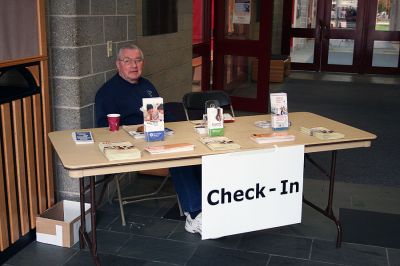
x,y
78,31
168,57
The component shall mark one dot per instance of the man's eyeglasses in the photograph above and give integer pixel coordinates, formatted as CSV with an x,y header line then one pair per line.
x,y
127,61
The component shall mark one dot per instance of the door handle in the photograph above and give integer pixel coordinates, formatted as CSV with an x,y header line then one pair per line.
x,y
325,32
319,32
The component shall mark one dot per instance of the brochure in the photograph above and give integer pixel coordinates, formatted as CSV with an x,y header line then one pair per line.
x,y
138,134
228,118
200,129
153,114
279,111
82,137
219,143
215,121
119,150
262,138
321,133
170,148
263,124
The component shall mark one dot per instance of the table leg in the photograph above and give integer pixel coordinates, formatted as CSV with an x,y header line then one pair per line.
x,y
82,205
105,181
93,216
328,212
84,238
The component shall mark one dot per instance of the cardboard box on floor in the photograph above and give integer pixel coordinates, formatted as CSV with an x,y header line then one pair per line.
x,y
59,225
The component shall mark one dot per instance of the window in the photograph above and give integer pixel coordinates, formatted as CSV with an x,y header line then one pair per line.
x,y
159,17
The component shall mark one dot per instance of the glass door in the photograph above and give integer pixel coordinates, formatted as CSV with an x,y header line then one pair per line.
x,y
242,51
359,36
341,35
301,33
324,35
383,39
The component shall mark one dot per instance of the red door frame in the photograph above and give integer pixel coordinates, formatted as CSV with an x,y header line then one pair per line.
x,y
203,48
256,48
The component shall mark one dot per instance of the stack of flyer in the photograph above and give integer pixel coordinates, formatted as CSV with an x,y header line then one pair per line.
x,y
279,111
321,133
170,148
153,114
219,143
119,150
261,138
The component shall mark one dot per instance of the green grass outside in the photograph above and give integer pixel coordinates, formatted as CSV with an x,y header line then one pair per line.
x,y
382,27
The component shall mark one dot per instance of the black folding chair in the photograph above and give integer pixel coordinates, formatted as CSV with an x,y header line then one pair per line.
x,y
174,112
194,103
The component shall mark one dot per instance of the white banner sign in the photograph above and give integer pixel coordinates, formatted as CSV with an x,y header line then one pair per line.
x,y
251,190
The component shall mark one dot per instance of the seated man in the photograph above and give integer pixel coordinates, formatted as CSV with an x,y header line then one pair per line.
x,y
123,94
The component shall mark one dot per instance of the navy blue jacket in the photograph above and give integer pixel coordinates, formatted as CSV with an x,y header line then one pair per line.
x,y
118,96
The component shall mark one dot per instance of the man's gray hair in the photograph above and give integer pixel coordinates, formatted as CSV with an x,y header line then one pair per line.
x,y
130,46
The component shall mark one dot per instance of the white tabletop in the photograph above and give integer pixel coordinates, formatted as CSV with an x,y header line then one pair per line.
x,y
86,159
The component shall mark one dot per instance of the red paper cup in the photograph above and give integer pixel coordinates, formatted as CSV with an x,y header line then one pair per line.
x,y
113,121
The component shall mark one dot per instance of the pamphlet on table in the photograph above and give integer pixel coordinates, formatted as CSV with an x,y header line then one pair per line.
x,y
153,116
219,143
215,121
137,133
263,124
200,129
82,137
228,118
262,138
170,148
279,111
321,133
119,150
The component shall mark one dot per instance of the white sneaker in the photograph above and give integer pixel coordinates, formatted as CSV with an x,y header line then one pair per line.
x,y
193,225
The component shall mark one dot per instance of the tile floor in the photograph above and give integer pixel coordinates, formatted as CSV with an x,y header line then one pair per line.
x,y
149,239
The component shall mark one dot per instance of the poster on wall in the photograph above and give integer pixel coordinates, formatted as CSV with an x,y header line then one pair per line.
x,y
242,12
